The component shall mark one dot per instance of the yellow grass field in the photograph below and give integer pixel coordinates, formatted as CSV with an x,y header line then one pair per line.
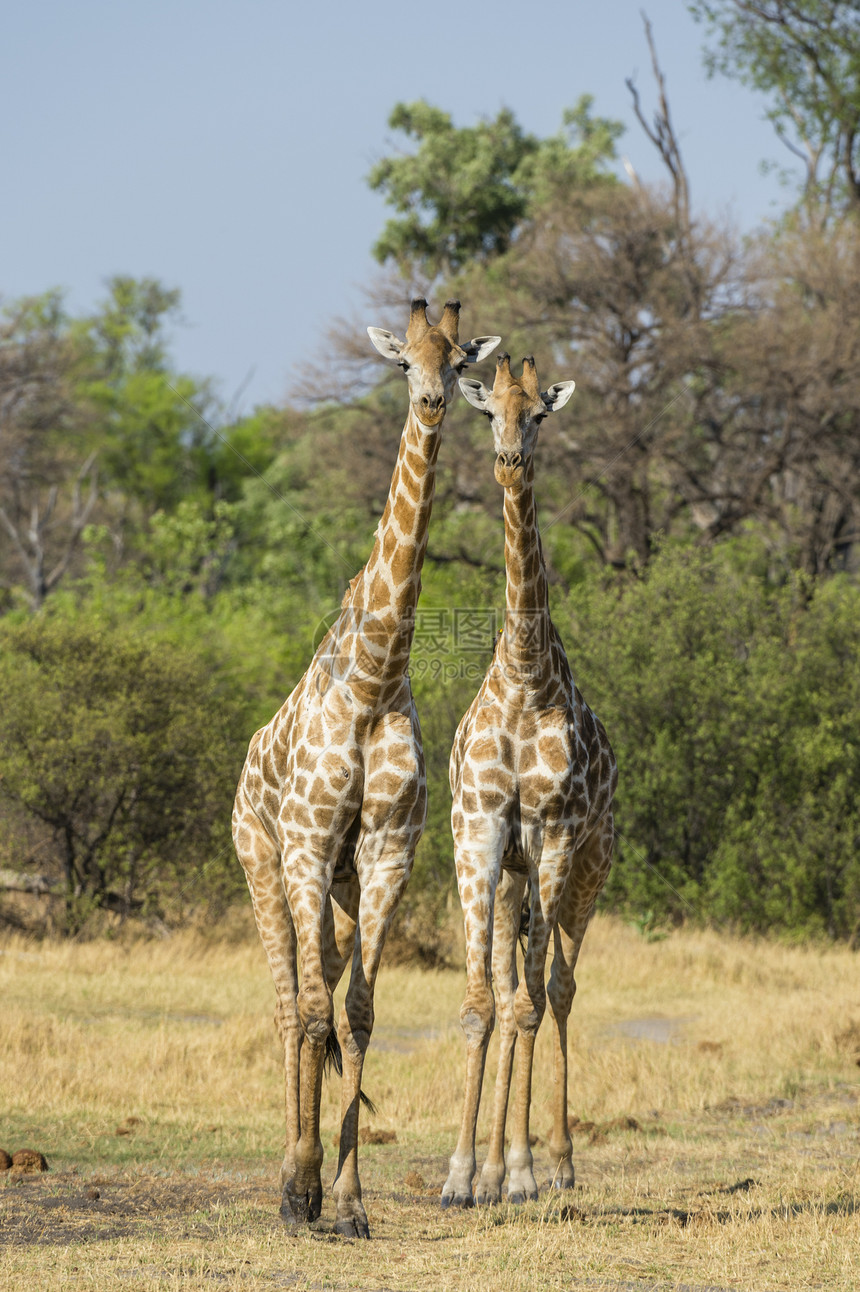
x,y
719,1078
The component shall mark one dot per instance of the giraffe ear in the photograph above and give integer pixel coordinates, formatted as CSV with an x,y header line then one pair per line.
x,y
388,345
558,395
476,392
479,347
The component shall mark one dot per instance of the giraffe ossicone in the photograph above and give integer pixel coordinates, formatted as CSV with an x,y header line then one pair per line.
x,y
332,798
532,778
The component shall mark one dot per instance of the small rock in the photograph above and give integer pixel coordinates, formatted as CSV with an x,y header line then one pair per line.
x,y
27,1161
578,1127
742,1186
569,1212
368,1136
93,1193
414,1180
621,1123
5,1160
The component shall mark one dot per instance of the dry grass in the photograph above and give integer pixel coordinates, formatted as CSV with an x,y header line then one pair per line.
x,y
149,1075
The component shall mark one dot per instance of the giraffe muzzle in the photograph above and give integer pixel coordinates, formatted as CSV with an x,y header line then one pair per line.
x,y
509,468
430,409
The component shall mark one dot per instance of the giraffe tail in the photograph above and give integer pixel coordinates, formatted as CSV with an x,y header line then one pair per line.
x,y
334,1059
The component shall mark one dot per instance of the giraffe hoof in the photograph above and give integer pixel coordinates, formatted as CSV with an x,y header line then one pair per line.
x,y
301,1208
352,1227
288,1215
464,1200
521,1196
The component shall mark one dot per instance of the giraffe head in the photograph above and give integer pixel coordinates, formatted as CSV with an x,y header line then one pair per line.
x,y
515,406
432,357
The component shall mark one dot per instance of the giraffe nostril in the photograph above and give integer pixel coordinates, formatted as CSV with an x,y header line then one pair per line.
x,y
515,459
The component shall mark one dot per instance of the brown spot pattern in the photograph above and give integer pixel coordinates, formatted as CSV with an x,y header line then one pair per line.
x,y
334,786
533,778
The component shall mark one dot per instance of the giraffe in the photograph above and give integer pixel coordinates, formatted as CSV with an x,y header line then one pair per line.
x,y
331,801
532,777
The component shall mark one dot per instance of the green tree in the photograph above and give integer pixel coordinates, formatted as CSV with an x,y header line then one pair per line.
x,y
120,749
462,193
48,469
788,856
151,426
732,705
805,56
97,428
128,331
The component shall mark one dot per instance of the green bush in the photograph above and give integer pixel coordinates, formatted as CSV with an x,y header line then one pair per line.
x,y
120,750
732,703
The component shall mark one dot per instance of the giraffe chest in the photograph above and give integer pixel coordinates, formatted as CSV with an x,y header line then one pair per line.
x,y
527,769
331,775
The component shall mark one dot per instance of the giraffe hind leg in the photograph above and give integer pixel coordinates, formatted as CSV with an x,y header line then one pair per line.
x,y
341,919
261,861
588,874
382,889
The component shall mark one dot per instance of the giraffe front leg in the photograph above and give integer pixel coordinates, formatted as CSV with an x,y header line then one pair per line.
x,y
477,876
561,990
476,1019
529,1009
261,860
522,1185
506,923
301,1185
379,900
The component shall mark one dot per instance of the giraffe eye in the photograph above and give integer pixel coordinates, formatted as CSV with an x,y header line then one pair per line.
x,y
403,364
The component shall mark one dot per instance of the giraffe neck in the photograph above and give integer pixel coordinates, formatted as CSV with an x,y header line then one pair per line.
x,y
380,608
528,629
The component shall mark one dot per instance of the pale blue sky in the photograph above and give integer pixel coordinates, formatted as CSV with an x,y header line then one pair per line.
x,y
223,146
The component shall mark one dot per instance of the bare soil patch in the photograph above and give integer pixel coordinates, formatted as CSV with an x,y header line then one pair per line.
x,y
66,1208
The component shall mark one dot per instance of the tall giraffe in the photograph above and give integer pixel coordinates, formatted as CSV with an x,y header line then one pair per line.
x,y
332,798
533,777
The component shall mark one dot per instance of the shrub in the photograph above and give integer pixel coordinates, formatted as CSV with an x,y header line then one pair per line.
x,y
121,748
732,703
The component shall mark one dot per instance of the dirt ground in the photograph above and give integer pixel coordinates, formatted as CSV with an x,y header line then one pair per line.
x,y
752,1190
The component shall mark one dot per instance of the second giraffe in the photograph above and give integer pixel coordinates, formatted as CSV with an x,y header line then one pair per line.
x,y
533,778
